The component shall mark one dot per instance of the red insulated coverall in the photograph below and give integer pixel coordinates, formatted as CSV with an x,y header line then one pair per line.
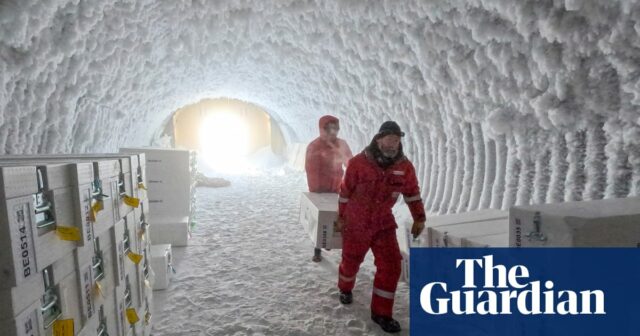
x,y
367,195
324,160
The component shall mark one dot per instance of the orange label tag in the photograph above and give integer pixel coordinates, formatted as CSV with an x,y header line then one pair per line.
x,y
69,233
131,201
63,328
132,316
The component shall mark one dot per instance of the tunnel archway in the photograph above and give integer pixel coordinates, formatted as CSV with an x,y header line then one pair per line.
x,y
227,133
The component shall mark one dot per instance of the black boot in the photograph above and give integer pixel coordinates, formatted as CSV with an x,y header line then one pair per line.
x,y
346,297
317,255
387,324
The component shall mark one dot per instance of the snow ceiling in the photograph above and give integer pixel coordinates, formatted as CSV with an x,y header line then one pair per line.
x,y
504,102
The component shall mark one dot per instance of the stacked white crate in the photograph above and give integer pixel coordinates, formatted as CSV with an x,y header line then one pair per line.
x,y
161,263
481,228
599,223
171,193
84,282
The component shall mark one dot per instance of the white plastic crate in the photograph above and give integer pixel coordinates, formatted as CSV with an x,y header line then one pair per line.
x,y
17,259
452,235
318,213
141,220
105,321
161,259
16,299
96,273
467,217
175,232
122,303
601,223
493,240
52,295
121,235
26,323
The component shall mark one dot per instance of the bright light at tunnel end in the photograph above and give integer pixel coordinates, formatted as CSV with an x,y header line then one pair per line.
x,y
224,143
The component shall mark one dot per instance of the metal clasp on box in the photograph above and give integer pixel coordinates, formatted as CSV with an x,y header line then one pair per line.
x,y
98,267
125,240
102,328
145,265
97,193
50,308
121,187
127,291
41,206
537,234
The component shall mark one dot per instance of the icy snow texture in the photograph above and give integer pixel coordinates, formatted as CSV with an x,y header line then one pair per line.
x,y
505,102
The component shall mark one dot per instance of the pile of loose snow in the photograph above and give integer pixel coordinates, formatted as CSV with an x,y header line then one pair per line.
x,y
504,102
248,271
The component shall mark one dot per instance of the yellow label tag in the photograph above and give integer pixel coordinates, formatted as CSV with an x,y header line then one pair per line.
x,y
99,290
70,233
63,328
147,318
136,258
131,201
141,235
141,186
132,316
95,208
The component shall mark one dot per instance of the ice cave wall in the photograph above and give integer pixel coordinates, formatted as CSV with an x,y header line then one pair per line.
x,y
504,102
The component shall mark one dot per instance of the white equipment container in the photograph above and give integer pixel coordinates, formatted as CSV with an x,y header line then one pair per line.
x,y
318,213
175,232
39,302
161,258
601,223
454,235
169,181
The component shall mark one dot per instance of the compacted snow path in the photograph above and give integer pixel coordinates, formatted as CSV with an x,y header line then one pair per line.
x,y
248,270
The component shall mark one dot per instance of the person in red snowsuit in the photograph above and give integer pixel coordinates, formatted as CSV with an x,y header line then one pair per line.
x,y
324,160
373,181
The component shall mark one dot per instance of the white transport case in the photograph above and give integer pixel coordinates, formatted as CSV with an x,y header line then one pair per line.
x,y
318,213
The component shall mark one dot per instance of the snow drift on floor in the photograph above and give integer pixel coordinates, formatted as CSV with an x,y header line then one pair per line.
x,y
248,270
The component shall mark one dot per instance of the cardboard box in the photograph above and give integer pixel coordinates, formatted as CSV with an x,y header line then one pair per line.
x,y
318,213
601,223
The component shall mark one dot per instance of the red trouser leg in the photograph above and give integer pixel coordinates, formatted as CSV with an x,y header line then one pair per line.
x,y
388,268
355,244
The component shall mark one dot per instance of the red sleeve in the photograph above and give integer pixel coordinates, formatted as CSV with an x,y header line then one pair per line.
x,y
311,166
412,196
346,187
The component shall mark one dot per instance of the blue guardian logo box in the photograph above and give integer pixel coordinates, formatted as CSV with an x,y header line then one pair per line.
x,y
535,291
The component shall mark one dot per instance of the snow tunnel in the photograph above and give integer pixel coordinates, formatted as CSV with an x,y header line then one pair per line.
x,y
503,103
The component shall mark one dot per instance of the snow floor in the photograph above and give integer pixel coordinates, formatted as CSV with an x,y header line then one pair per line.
x,y
248,270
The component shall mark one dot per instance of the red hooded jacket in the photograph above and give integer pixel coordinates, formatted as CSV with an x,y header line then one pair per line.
x,y
324,160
